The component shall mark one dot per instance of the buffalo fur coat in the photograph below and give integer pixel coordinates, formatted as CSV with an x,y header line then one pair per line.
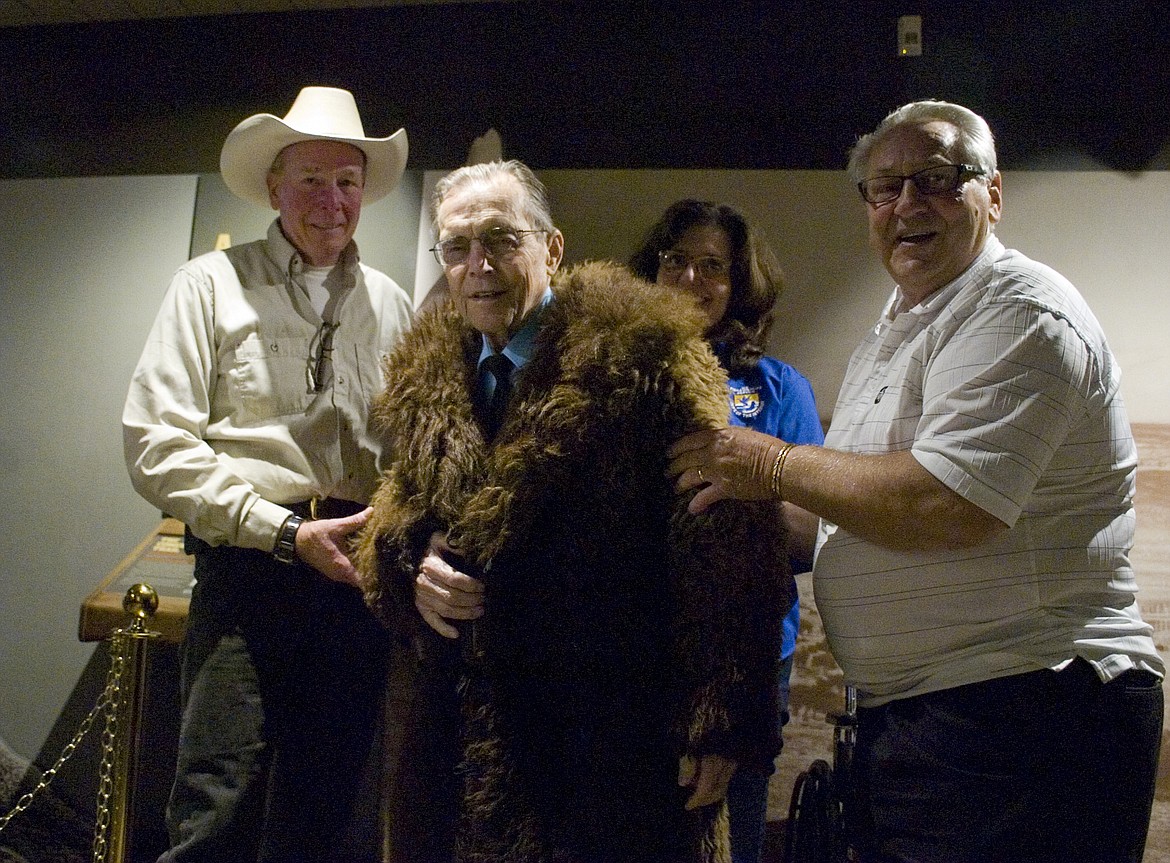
x,y
620,632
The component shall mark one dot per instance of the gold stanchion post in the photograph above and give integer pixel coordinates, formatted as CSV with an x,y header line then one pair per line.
x,y
120,742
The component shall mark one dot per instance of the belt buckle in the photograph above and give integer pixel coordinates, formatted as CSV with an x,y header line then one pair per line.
x,y
313,507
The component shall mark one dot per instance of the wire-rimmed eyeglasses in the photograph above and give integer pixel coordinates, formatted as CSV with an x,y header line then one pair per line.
x,y
498,244
935,180
672,263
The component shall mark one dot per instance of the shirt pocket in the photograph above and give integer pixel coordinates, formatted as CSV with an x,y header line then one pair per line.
x,y
271,376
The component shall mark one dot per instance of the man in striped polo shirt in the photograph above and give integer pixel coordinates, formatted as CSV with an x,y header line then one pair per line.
x,y
975,495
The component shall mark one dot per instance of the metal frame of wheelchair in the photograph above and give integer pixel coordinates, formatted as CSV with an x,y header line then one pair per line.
x,y
819,810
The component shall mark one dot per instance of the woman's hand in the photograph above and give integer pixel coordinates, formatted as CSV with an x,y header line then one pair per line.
x,y
708,776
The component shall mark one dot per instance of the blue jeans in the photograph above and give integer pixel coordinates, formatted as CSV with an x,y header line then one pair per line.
x,y
1045,767
284,675
747,795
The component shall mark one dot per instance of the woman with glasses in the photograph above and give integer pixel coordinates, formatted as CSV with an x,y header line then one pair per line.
x,y
709,251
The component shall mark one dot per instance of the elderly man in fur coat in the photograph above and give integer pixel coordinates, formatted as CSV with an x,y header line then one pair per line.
x,y
623,664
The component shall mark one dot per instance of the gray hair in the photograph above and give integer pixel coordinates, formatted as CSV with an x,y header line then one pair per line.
x,y
536,205
974,143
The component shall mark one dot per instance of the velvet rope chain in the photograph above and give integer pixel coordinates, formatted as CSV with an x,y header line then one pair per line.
x,y
107,704
141,601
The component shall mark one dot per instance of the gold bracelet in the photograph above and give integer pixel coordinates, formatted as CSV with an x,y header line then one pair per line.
x,y
778,470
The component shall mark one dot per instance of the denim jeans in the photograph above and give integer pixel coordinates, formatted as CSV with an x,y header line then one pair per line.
x,y
747,794
284,676
1047,767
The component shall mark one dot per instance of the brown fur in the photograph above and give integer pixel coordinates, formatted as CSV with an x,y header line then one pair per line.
x,y
595,573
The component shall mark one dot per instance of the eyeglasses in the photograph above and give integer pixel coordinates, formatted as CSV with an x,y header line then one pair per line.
x,y
672,263
936,180
498,244
323,364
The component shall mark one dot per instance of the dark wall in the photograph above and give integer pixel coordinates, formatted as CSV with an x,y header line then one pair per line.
x,y
733,84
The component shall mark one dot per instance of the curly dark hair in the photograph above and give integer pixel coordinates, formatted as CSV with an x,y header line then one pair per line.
x,y
740,338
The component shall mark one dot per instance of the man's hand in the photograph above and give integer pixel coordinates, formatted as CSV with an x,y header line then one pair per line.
x,y
724,463
708,776
324,545
443,593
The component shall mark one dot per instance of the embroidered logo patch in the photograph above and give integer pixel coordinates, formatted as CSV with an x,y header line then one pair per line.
x,y
746,402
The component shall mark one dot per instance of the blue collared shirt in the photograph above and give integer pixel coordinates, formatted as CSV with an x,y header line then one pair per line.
x,y
518,349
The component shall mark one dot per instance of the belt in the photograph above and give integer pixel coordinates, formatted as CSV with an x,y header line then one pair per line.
x,y
325,507
312,509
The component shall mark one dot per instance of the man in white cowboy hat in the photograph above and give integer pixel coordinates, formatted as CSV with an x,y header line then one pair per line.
x,y
247,420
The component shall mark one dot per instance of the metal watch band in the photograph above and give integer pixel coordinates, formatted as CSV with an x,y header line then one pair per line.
x,y
286,540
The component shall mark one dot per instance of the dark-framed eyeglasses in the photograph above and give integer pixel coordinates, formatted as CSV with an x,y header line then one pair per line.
x,y
935,180
498,244
672,263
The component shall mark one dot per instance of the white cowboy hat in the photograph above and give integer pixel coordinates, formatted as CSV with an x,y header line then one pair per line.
x,y
319,113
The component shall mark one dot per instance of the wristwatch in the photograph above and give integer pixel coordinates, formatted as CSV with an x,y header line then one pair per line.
x,y
286,540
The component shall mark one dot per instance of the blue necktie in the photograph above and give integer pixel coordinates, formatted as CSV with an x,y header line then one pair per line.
x,y
501,369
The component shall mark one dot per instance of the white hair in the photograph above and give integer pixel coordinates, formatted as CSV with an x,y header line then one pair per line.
x,y
974,143
536,202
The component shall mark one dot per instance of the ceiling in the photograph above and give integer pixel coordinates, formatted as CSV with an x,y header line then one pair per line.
x,y
735,84
18,13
